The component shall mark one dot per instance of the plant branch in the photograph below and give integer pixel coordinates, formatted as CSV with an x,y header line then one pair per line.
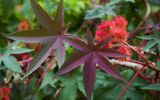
x,y
130,82
39,81
127,64
144,57
27,60
26,82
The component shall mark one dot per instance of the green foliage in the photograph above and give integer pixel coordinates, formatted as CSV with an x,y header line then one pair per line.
x,y
110,89
104,10
10,61
70,85
155,2
154,40
100,11
152,87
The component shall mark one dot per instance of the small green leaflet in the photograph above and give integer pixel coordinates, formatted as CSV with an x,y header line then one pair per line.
x,y
152,87
154,40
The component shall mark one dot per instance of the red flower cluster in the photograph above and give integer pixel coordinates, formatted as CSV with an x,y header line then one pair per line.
x,y
4,93
115,28
23,25
124,50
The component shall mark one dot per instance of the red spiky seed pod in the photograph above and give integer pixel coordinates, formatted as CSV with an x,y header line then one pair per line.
x,y
23,25
120,35
120,22
125,50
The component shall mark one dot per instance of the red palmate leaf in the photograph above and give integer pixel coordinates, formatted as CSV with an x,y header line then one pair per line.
x,y
91,55
50,37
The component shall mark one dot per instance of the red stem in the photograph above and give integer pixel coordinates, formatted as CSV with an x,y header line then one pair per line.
x,y
147,62
138,62
26,82
139,70
74,36
39,81
25,87
137,52
86,21
27,60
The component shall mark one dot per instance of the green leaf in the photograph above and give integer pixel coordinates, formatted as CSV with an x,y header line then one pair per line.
x,y
11,63
20,50
118,1
158,63
152,87
100,11
81,87
8,10
148,37
12,45
68,92
26,10
150,44
47,79
0,61
158,46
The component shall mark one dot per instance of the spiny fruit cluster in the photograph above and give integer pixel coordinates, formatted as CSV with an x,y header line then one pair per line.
x,y
117,29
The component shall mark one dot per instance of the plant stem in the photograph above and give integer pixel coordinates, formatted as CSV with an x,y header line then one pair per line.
x,y
138,62
26,82
39,81
139,70
27,60
74,37
25,87
147,61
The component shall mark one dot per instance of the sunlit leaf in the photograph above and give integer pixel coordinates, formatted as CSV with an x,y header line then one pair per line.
x,y
11,63
150,44
20,50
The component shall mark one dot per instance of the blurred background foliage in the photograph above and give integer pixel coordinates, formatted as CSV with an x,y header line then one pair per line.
x,y
70,86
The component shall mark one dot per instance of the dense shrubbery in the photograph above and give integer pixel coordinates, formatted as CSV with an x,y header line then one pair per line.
x,y
49,54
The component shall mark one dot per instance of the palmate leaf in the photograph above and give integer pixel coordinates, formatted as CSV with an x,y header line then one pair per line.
x,y
90,54
51,36
31,36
